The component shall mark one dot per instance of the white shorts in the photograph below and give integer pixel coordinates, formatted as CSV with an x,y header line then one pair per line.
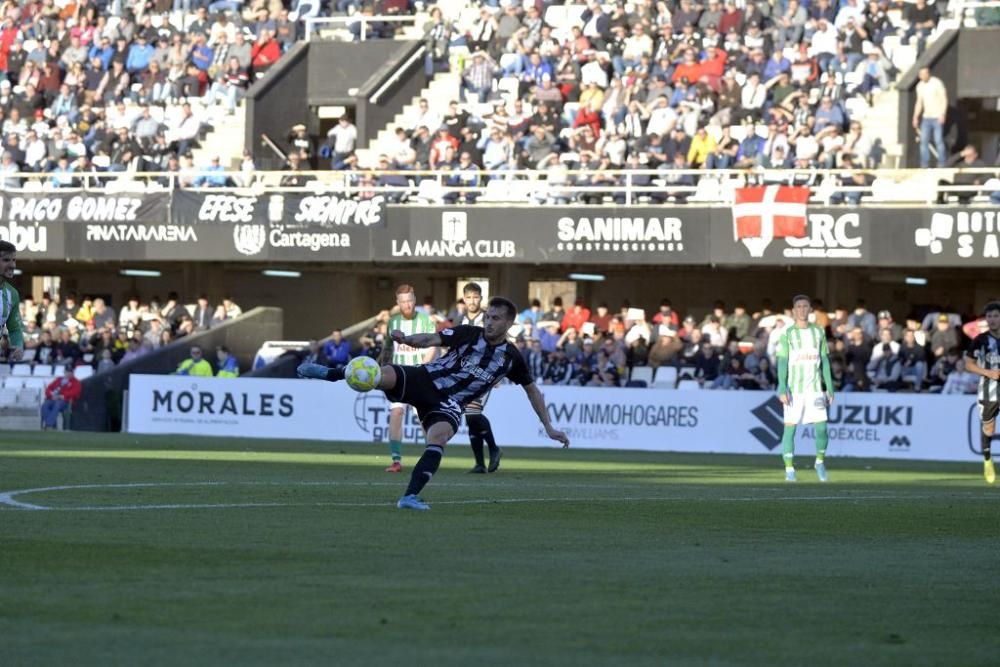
x,y
806,408
393,406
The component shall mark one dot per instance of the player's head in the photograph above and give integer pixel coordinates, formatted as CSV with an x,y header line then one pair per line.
x,y
472,294
499,318
992,313
8,259
801,307
406,299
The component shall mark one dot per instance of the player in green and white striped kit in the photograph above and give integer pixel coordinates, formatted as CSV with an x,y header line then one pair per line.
x,y
410,322
802,355
10,301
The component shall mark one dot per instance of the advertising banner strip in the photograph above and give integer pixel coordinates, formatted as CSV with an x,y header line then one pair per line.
x,y
902,426
768,227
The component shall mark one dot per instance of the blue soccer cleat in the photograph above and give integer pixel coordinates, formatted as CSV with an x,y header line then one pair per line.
x,y
790,475
821,471
412,502
311,370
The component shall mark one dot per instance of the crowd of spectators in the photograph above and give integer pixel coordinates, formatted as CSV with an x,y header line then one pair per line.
x,y
90,86
655,87
722,349
77,332
664,86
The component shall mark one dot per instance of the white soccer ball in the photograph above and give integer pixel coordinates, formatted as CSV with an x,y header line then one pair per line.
x,y
363,374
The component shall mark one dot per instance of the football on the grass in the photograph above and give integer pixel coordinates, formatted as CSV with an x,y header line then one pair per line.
x,y
363,373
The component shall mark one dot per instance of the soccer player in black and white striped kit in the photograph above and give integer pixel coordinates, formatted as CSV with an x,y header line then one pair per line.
x,y
983,359
480,429
477,358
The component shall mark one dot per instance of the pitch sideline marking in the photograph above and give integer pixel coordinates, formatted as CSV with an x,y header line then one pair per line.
x,y
7,498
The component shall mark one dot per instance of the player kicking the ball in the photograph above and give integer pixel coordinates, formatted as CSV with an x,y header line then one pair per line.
x,y
477,358
802,355
983,359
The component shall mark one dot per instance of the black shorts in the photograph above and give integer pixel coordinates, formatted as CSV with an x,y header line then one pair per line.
x,y
414,386
988,410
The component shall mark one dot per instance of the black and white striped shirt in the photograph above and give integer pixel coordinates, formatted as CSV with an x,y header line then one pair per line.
x,y
476,321
472,366
985,351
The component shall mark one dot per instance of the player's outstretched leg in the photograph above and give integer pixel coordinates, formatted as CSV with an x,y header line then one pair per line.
x,y
788,451
988,472
320,372
476,440
822,438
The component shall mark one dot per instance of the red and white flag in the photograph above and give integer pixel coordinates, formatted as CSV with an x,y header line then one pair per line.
x,y
766,212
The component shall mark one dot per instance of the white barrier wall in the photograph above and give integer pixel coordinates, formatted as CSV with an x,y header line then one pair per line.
x,y
906,426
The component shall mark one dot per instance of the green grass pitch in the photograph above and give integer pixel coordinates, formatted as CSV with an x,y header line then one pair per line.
x,y
177,550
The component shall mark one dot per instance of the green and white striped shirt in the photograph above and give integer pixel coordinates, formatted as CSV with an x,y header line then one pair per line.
x,y
420,324
804,348
10,313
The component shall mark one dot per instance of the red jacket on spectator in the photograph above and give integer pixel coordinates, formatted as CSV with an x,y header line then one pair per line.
x,y
713,66
7,37
691,70
68,388
587,116
264,55
575,317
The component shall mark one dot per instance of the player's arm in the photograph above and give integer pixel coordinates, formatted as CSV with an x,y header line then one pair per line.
x,y
417,340
385,357
972,365
538,404
15,329
824,361
431,351
782,356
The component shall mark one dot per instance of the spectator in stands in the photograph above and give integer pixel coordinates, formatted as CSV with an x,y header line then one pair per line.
x,y
228,366
337,349
885,321
341,142
532,313
913,361
968,158
960,381
861,317
195,365
60,395
929,116
437,41
106,361
922,19
213,175
885,370
477,78
943,338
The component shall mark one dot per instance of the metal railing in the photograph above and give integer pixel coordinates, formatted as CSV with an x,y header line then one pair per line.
x,y
704,187
316,23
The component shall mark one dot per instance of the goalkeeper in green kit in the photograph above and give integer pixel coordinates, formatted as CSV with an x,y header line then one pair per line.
x,y
802,355
10,301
